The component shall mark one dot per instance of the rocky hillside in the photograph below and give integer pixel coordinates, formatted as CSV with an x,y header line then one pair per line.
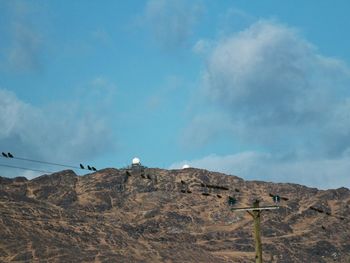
x,y
155,215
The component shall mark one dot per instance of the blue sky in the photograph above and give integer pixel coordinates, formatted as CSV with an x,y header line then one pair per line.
x,y
258,89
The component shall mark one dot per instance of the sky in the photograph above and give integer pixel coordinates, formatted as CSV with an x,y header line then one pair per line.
x,y
256,89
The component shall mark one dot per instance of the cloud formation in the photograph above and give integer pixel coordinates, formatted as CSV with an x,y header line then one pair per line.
x,y
23,52
171,21
62,134
274,90
322,173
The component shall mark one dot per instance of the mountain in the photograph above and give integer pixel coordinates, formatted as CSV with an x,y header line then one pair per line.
x,y
154,215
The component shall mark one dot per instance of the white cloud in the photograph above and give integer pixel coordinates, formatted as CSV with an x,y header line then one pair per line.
x,y
60,134
321,173
171,21
234,20
30,174
272,89
202,46
24,50
274,85
213,127
236,164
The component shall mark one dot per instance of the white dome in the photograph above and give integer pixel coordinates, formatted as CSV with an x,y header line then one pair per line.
x,y
136,161
185,166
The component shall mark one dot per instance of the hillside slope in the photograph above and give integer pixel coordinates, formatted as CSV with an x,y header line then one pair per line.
x,y
155,215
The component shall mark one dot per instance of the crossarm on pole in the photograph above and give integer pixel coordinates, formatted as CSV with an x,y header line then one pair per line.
x,y
255,208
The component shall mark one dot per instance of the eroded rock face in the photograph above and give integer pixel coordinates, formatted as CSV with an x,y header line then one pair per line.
x,y
153,215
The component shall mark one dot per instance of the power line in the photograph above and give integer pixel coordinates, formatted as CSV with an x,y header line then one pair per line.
x,y
81,167
24,168
44,162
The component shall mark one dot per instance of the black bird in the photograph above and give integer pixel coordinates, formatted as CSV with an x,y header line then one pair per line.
x,y
82,166
89,167
5,155
10,155
93,168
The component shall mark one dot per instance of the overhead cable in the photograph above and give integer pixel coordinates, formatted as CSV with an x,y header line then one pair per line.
x,y
25,168
10,156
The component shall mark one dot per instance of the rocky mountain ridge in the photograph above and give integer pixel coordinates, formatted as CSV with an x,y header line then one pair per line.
x,y
155,215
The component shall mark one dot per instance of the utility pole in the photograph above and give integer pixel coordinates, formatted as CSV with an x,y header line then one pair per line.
x,y
255,212
256,217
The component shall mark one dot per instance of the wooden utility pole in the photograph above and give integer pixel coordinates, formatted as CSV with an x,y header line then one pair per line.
x,y
256,217
255,212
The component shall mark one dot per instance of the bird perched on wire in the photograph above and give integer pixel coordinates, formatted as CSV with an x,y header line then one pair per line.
x,y
82,166
5,155
10,155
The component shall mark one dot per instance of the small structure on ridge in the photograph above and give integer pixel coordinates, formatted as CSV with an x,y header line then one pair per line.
x,y
136,162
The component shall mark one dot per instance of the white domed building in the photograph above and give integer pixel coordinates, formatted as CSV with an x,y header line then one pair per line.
x,y
136,165
136,161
